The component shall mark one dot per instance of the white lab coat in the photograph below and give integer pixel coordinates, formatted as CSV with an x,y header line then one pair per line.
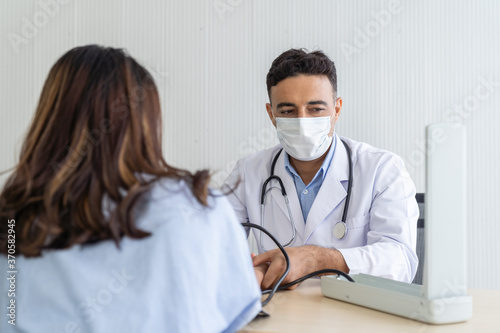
x,y
382,217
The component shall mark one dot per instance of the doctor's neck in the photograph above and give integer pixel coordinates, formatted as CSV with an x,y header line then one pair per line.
x,y
308,169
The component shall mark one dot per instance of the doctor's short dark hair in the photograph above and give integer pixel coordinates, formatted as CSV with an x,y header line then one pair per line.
x,y
294,62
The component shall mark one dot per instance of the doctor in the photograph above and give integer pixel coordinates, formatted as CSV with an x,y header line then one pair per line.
x,y
378,234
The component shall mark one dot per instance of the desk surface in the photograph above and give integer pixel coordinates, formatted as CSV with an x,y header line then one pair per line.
x,y
305,309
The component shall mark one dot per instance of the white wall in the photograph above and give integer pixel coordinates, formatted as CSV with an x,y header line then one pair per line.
x,y
401,66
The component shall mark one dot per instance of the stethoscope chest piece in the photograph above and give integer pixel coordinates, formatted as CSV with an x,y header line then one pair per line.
x,y
340,230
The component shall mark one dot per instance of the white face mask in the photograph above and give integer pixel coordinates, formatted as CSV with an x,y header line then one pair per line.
x,y
305,139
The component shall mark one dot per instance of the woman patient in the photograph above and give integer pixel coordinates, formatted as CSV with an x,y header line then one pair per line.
x,y
108,236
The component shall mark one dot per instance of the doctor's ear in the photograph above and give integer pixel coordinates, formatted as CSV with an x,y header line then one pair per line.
x,y
338,107
269,109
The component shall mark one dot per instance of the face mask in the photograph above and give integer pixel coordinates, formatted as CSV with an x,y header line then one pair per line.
x,y
305,139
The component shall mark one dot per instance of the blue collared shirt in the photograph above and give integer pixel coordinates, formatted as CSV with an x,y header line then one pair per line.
x,y
307,194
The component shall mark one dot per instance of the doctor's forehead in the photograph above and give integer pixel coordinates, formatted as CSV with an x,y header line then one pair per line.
x,y
303,89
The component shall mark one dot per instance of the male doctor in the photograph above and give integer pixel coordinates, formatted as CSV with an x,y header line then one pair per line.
x,y
312,161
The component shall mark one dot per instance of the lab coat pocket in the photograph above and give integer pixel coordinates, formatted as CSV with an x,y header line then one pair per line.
x,y
358,222
356,234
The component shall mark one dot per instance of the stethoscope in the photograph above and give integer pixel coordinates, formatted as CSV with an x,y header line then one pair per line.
x,y
340,228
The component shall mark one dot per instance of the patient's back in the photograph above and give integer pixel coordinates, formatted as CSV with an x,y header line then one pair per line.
x,y
194,274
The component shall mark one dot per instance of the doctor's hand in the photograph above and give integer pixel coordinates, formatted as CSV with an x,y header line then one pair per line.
x,y
303,260
260,270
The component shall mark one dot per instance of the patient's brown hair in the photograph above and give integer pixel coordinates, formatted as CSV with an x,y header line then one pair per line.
x,y
95,133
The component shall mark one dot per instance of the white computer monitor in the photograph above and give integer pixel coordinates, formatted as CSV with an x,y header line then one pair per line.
x,y
442,297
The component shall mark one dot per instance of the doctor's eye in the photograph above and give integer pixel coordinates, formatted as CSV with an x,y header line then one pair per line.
x,y
318,109
286,112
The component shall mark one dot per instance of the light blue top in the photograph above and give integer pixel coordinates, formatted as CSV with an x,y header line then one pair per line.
x,y
307,194
194,274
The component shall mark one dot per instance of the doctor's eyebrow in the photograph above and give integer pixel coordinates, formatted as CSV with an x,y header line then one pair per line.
x,y
284,104
317,102
287,104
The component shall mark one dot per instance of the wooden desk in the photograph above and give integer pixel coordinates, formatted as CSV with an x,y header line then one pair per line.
x,y
305,309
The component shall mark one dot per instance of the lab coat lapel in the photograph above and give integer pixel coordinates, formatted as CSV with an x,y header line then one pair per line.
x,y
332,192
292,198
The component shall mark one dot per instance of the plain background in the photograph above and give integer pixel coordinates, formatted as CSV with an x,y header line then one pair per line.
x,y
401,66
